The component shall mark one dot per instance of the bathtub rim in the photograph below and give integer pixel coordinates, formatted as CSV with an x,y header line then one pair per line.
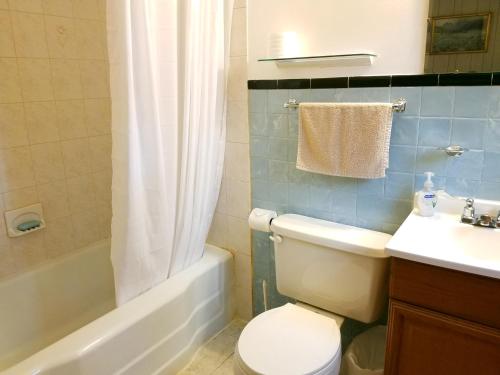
x,y
104,328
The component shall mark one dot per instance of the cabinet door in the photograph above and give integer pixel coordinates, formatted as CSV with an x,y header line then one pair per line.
x,y
423,342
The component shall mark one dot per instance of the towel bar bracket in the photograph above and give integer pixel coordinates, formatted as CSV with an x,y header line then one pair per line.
x,y
291,103
398,106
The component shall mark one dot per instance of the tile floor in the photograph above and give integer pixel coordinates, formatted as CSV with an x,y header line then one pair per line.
x,y
216,356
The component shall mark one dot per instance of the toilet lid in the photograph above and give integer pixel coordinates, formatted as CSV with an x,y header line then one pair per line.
x,y
289,340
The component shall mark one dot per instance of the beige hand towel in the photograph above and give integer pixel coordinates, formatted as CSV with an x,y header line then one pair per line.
x,y
345,139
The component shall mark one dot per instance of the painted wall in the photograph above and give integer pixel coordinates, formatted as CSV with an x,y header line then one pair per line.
x,y
55,142
229,228
395,30
435,117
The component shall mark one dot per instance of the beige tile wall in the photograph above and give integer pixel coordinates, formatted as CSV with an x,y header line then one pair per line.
x,y
55,141
229,228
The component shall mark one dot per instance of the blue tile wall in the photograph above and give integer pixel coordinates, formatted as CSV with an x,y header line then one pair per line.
x,y
435,117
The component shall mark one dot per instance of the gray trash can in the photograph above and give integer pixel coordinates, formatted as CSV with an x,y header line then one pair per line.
x,y
365,354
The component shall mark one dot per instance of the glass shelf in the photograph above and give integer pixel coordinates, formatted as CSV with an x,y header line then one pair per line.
x,y
350,59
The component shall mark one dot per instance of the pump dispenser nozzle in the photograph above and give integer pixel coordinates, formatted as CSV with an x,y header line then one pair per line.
x,y
428,184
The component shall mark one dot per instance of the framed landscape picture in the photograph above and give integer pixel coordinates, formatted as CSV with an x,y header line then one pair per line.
x,y
460,33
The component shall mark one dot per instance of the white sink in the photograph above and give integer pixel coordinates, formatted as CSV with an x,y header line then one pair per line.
x,y
442,240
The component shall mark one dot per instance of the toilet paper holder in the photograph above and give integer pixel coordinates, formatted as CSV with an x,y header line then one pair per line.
x,y
260,219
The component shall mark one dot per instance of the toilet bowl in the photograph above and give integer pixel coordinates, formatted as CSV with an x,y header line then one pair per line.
x,y
289,340
328,267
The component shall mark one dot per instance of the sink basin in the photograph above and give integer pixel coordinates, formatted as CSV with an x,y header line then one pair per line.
x,y
443,241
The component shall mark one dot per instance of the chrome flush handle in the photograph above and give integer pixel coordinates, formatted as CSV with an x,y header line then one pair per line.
x,y
276,238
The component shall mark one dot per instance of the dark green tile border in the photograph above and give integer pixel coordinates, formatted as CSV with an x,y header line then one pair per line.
x,y
446,79
415,80
292,84
263,84
329,83
374,81
473,79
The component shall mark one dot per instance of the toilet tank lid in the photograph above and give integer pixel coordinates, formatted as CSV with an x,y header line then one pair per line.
x,y
329,234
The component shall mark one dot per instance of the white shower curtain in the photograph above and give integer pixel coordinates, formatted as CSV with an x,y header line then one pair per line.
x,y
168,69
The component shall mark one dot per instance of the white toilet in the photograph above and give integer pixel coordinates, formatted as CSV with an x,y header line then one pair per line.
x,y
330,268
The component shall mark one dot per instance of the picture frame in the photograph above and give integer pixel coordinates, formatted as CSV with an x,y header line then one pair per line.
x,y
465,33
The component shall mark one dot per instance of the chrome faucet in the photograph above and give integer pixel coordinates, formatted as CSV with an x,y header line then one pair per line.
x,y
468,216
483,220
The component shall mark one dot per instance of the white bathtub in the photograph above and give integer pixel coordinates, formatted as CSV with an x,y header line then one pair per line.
x,y
156,333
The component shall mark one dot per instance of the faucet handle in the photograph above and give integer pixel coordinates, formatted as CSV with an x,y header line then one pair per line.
x,y
485,220
469,211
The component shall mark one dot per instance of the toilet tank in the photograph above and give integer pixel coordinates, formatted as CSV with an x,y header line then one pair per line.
x,y
339,268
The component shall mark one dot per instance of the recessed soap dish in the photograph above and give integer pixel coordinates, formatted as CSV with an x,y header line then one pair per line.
x,y
24,220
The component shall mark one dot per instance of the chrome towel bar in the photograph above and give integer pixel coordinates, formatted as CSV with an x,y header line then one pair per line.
x,y
398,106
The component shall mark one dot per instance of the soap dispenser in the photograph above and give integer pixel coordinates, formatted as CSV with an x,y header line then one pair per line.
x,y
426,198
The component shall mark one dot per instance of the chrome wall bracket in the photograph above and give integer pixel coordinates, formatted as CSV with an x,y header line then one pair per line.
x,y
454,150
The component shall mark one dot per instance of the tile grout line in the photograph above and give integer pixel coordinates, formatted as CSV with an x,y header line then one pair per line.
x,y
222,364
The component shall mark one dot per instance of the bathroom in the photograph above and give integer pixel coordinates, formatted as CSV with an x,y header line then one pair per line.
x,y
154,218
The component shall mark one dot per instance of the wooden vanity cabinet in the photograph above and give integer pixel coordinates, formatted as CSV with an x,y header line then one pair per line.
x,y
442,322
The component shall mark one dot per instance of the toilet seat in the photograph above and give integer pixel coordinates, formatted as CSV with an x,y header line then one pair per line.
x,y
289,340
